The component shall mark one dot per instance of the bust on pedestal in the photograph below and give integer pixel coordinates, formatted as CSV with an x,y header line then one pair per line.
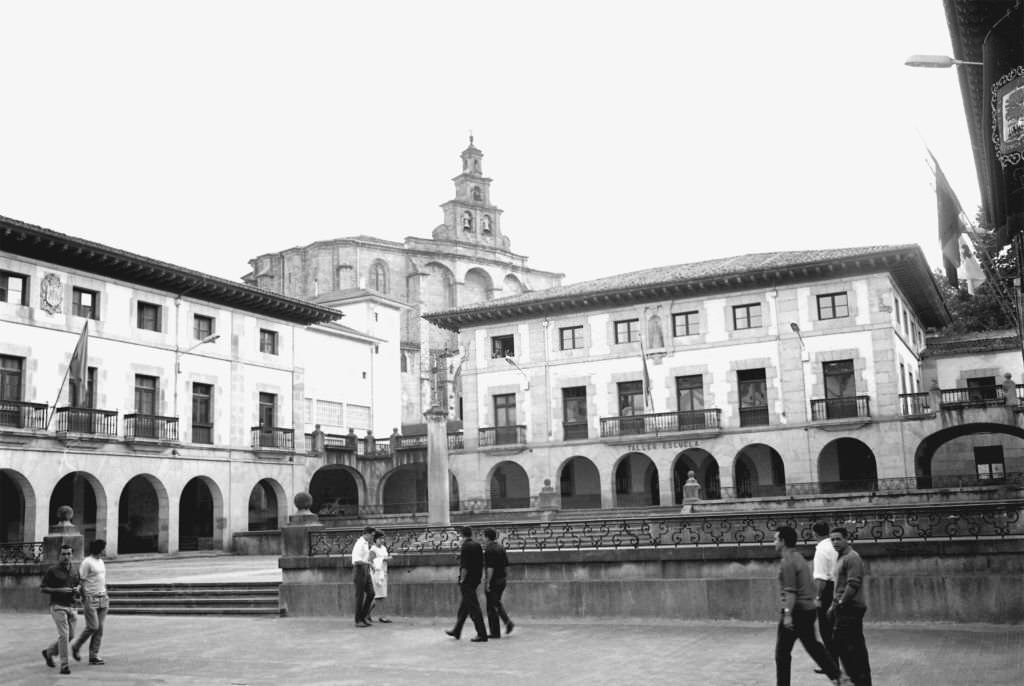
x,y
61,533
691,492
547,501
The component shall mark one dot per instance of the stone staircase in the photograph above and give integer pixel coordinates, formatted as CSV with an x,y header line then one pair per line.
x,y
236,599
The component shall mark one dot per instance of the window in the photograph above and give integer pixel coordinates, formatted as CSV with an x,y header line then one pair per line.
x,y
570,338
357,417
268,418
149,316
379,277
85,303
981,388
505,430
746,316
753,391
685,324
989,462
11,383
13,288
329,413
627,331
574,412
202,327
145,394
503,346
841,389
83,397
202,413
268,341
690,392
833,306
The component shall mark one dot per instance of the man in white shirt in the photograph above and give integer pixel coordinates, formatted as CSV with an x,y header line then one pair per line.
x,y
361,577
824,573
95,602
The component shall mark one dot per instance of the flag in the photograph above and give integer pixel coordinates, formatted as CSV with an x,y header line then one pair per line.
x,y
78,370
648,400
949,224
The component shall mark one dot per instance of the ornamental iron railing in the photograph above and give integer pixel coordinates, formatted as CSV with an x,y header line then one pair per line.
x,y
21,553
840,408
151,426
976,396
84,420
661,422
872,485
20,415
994,520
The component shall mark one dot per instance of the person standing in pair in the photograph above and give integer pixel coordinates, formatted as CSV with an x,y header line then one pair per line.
x,y
825,557
361,577
848,610
93,572
61,582
379,557
471,571
495,564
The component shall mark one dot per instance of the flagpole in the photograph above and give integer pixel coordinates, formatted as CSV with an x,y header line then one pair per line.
x,y
56,400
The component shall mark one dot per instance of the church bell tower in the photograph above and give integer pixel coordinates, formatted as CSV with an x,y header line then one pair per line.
x,y
470,217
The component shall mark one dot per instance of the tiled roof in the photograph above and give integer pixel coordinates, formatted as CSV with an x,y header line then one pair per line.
x,y
972,343
905,262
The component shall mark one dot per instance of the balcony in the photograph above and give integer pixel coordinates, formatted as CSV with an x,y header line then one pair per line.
x,y
502,435
662,422
974,396
575,430
151,427
754,416
18,415
840,408
915,404
85,420
273,437
373,447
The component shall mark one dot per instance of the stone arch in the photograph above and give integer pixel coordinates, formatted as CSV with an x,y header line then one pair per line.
x,y
924,456
477,287
512,285
403,490
438,291
847,464
705,469
267,505
579,483
337,491
200,515
142,517
636,481
509,486
379,277
17,508
85,494
758,472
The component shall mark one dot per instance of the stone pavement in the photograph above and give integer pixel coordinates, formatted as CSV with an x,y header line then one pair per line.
x,y
243,651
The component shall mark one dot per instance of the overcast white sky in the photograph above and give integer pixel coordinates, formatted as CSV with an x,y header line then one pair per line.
x,y
620,135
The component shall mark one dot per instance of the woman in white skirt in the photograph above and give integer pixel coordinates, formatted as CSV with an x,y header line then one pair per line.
x,y
379,557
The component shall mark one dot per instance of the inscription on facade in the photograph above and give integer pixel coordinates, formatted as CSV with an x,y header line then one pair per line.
x,y
659,445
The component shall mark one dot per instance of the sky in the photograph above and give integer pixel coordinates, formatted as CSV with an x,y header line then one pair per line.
x,y
619,135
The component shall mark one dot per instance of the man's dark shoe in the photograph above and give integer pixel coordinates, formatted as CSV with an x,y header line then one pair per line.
x,y
361,625
65,670
96,661
479,639
49,660
493,636
74,653
452,633
509,627
384,620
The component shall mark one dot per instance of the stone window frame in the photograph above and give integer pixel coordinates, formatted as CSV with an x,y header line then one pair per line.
x,y
26,286
554,344
612,388
498,363
707,378
486,418
145,305
964,374
816,375
771,383
747,299
701,330
613,330
276,337
558,410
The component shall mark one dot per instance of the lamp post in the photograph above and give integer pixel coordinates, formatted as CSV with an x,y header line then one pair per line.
x,y
513,363
178,354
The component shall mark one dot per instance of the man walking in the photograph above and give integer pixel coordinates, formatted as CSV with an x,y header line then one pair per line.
x,y
471,570
361,577
824,579
848,609
93,573
61,583
495,564
797,611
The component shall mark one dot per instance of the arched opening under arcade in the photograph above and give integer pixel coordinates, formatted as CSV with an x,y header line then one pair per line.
x,y
84,494
198,510
758,472
266,505
969,454
142,516
579,484
705,469
17,508
846,465
335,491
404,490
509,486
636,481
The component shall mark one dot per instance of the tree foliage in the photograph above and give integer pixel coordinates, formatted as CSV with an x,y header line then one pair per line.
x,y
982,311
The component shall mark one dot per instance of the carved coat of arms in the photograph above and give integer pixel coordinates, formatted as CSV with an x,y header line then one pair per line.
x,y
51,293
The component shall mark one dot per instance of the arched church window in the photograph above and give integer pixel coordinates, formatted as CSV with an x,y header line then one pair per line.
x,y
485,224
477,195
379,277
467,221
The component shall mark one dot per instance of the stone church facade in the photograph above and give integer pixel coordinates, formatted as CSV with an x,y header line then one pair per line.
x,y
467,260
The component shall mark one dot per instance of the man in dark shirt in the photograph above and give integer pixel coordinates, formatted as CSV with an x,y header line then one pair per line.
x,y
495,563
61,582
471,570
848,609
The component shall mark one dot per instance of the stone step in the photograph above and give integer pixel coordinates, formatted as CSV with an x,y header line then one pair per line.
x,y
219,611
236,598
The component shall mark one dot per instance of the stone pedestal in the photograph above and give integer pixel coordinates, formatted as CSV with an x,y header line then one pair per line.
x,y
691,492
63,533
438,496
548,502
294,538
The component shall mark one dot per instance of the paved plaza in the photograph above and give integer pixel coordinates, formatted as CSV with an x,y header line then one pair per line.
x,y
236,651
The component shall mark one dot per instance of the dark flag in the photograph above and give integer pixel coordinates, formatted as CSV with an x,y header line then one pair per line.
x,y
949,225
78,370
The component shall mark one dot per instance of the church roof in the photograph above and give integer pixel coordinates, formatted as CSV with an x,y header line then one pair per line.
x,y
906,263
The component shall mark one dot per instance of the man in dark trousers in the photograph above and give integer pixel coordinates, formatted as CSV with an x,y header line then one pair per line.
x,y
361,577
471,570
61,582
848,609
824,579
495,563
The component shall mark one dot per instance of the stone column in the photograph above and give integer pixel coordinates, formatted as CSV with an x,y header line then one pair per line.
x,y
61,533
438,496
294,541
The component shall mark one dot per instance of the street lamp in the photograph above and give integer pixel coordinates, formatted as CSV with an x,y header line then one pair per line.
x,y
513,363
177,362
936,61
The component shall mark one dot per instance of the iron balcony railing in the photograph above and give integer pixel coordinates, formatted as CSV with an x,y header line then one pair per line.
x,y
455,441
575,430
84,420
20,415
913,404
381,446
840,408
151,426
976,396
661,422
21,552
202,433
272,437
502,435
754,416
373,446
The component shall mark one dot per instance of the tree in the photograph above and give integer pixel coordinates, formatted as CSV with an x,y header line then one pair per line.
x,y
983,310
